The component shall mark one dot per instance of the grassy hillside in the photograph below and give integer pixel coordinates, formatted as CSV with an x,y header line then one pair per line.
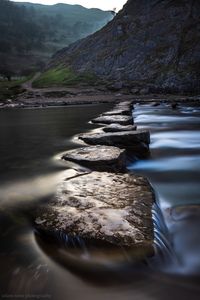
x,y
62,76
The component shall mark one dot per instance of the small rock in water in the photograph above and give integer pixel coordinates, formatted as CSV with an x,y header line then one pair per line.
x,y
101,158
174,105
122,120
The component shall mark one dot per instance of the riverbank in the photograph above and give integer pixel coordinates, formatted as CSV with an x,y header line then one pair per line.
x,y
56,98
27,96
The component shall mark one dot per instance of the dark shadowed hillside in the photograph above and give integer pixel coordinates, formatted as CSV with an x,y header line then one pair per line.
x,y
31,33
150,43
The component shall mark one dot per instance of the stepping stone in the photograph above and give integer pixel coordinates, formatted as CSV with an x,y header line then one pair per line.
x,y
122,120
125,112
114,208
119,139
101,158
125,105
119,128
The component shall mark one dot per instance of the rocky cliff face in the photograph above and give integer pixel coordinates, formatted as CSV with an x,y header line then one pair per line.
x,y
150,43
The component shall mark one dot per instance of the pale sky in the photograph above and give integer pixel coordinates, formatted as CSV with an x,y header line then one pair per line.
x,y
102,4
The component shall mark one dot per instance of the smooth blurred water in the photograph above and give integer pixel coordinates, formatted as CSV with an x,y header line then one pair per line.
x,y
31,144
174,171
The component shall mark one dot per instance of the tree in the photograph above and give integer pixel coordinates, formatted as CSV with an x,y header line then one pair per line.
x,y
6,72
114,11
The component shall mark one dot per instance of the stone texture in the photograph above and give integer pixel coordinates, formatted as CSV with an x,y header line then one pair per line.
x,y
119,128
122,120
101,158
110,207
119,139
125,112
152,45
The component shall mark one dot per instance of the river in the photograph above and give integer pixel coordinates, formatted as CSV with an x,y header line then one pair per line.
x,y
32,141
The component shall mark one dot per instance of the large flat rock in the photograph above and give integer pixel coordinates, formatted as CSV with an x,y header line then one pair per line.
x,y
120,139
122,104
98,205
122,120
119,128
101,158
125,112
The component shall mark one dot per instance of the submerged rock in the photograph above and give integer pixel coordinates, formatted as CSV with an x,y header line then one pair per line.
x,y
110,207
120,139
119,128
101,158
122,120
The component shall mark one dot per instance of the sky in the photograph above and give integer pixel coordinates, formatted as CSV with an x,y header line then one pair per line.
x,y
102,4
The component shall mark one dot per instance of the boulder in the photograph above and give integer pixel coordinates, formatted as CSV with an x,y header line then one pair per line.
x,y
122,120
144,91
101,158
114,208
119,128
117,86
126,139
135,91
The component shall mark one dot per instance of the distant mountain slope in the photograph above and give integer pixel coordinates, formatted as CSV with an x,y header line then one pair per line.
x,y
150,43
71,13
31,33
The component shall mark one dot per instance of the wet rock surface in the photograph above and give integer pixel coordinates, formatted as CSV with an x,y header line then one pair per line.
x,y
122,120
111,207
125,112
102,158
105,203
120,139
119,128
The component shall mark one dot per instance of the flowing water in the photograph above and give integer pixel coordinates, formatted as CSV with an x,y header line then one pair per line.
x,y
31,144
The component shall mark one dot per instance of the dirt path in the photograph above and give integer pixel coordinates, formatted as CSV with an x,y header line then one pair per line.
x,y
69,90
65,95
28,84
